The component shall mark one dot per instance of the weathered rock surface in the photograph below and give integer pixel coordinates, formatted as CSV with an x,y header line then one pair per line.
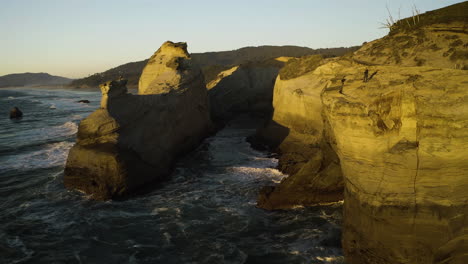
x,y
134,140
15,113
246,88
402,140
296,132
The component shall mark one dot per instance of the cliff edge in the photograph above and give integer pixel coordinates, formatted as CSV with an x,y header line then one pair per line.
x,y
395,114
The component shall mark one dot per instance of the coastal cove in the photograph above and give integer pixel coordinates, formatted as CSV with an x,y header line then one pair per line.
x,y
260,154
206,212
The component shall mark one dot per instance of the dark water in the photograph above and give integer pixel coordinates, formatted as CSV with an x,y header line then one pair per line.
x,y
205,214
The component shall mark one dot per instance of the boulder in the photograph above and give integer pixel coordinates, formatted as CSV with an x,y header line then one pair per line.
x,y
132,142
15,113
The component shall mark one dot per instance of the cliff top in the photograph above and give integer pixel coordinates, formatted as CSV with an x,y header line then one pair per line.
x,y
300,66
446,15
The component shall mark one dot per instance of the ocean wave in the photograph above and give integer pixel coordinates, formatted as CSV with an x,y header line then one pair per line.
x,y
248,173
51,156
67,129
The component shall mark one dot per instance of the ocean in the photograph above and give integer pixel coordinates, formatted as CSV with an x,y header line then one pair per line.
x,y
206,212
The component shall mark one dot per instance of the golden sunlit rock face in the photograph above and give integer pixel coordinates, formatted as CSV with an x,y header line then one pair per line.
x,y
297,132
168,69
402,143
395,115
133,140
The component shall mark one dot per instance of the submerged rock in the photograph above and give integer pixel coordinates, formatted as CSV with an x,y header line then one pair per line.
x,y
132,141
83,101
15,113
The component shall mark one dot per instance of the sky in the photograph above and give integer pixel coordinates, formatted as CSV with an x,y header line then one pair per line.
x,y
76,38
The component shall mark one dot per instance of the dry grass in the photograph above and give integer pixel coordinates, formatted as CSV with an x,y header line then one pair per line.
x,y
297,67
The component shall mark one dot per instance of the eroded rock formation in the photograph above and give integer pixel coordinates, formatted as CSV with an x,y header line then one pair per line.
x,y
297,133
401,139
246,88
133,140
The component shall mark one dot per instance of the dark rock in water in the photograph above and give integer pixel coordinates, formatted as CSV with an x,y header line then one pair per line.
x,y
84,101
116,154
15,113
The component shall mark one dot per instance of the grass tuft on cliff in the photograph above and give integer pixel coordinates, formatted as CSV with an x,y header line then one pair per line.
x,y
449,14
297,67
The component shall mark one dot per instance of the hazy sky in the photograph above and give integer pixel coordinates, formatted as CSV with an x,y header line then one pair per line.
x,y
74,38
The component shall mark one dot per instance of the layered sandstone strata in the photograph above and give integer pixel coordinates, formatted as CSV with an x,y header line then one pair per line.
x,y
402,140
298,133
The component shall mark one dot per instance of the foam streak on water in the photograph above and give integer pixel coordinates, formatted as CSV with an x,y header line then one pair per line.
x,y
205,214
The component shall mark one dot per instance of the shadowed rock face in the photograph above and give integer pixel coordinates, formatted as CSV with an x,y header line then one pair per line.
x,y
16,113
133,140
246,88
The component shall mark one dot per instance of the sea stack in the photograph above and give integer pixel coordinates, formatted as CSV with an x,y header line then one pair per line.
x,y
15,113
132,141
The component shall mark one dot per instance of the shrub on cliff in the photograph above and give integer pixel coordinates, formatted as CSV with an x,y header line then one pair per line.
x,y
297,67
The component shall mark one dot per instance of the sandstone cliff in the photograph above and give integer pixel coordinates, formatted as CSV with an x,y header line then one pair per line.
x,y
401,141
246,88
296,132
133,140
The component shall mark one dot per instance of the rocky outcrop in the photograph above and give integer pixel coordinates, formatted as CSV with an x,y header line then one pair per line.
x,y
402,139
297,132
246,88
15,113
133,140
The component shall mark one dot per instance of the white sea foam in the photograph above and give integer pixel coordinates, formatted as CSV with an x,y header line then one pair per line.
x,y
50,156
248,173
76,117
67,129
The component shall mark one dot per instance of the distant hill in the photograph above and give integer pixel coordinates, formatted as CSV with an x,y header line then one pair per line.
x,y
32,79
211,62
